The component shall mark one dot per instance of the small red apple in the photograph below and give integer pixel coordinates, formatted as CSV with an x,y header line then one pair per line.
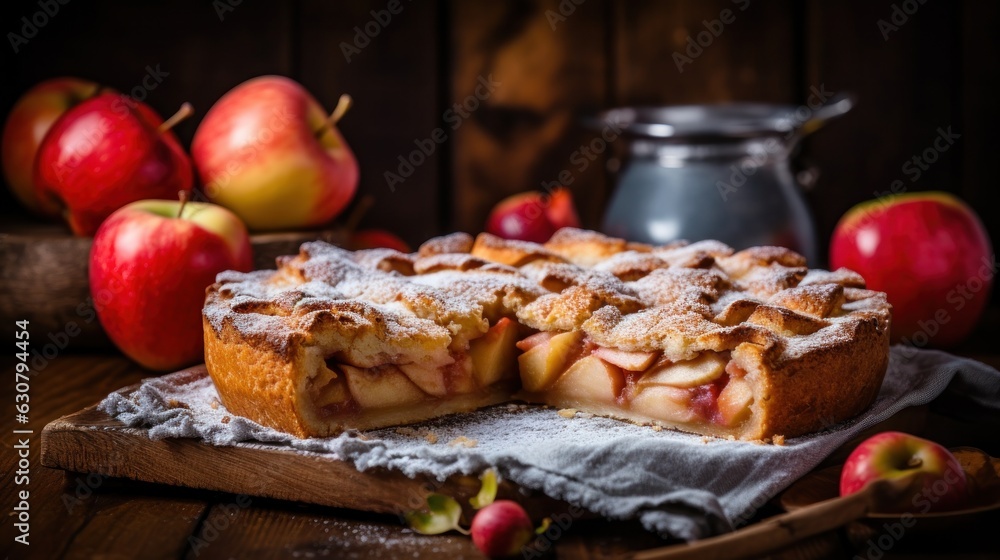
x,y
940,483
532,216
268,151
106,152
149,266
929,253
27,124
377,238
502,529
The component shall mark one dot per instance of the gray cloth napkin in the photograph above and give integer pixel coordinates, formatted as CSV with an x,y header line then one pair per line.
x,y
678,485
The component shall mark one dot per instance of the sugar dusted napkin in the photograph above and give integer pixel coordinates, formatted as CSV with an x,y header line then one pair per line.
x,y
678,485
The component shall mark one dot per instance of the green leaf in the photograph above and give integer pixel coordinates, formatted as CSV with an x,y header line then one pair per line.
x,y
443,516
487,492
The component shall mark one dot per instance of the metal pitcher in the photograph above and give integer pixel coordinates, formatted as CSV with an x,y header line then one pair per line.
x,y
713,172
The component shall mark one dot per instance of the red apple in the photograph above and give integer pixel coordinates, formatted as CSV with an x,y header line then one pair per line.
x,y
149,267
106,152
27,124
502,529
377,238
929,253
532,216
940,481
268,151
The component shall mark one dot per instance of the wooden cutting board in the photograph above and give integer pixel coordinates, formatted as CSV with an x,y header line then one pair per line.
x,y
90,441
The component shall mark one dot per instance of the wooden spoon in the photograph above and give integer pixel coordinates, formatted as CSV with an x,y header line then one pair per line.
x,y
783,530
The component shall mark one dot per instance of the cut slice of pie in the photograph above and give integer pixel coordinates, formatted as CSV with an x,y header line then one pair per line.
x,y
696,337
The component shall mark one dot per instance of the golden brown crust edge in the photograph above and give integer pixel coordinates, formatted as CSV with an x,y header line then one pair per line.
x,y
826,385
254,382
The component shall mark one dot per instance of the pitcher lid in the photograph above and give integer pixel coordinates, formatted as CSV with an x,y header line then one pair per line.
x,y
720,122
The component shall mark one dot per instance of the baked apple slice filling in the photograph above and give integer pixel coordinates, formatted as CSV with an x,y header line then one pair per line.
x,y
709,394
485,369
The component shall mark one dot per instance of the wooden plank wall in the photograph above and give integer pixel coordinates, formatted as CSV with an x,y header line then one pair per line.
x,y
550,61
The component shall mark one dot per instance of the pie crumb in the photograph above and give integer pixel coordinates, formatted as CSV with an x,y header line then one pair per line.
x,y
567,412
428,435
463,441
778,440
174,403
225,419
214,404
657,428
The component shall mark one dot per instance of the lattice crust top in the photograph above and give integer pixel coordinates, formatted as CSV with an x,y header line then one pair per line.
x,y
381,305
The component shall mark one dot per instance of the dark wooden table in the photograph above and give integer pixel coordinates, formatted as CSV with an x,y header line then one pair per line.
x,y
76,516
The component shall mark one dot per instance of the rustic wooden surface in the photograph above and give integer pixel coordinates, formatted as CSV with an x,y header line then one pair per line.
x,y
119,518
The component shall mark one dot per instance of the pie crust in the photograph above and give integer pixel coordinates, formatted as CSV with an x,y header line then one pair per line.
x,y
749,345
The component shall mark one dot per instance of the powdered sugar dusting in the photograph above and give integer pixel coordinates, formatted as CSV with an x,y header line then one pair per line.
x,y
673,298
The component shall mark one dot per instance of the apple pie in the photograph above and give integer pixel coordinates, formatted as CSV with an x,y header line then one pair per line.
x,y
697,337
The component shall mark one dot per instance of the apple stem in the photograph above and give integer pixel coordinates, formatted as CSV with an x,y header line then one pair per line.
x,y
914,462
183,196
359,211
184,112
343,105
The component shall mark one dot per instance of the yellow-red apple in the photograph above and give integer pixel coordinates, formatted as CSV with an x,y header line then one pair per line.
x,y
268,151
27,124
939,482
